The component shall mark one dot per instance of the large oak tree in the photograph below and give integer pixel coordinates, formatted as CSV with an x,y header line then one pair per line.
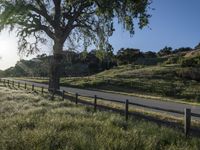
x,y
72,21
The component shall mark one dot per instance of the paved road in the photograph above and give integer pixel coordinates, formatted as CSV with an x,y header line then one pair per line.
x,y
143,101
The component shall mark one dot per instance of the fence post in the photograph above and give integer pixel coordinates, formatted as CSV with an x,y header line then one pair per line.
x,y
53,94
95,103
13,83
8,82
108,80
18,84
42,90
63,95
187,121
32,87
126,109
25,85
76,98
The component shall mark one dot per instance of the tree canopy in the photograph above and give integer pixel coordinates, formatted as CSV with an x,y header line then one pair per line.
x,y
128,55
71,20
165,51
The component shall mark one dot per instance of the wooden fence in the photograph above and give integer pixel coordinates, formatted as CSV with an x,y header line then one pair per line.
x,y
186,113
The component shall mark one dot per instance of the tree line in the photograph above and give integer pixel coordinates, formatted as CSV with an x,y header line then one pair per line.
x,y
87,63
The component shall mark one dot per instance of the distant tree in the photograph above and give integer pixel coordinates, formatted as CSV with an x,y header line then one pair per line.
x,y
182,49
70,56
100,54
68,21
93,62
165,51
129,55
83,55
109,58
150,54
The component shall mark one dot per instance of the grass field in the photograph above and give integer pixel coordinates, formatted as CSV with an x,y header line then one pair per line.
x,y
157,82
31,121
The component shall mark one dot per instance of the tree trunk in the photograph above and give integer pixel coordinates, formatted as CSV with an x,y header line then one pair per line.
x,y
56,68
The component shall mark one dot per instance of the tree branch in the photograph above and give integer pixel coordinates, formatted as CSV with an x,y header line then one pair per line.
x,y
57,15
42,11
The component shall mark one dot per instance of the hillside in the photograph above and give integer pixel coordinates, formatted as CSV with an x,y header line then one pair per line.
x,y
167,81
28,120
159,82
194,53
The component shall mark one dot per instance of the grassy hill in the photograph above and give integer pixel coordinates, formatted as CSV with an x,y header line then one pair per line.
x,y
158,82
171,81
193,53
28,120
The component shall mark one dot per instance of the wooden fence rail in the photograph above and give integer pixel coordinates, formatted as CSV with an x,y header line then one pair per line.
x,y
186,112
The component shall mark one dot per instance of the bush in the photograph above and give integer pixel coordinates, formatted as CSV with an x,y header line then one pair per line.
x,y
191,62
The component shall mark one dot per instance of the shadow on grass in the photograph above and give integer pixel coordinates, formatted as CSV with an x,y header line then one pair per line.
x,y
195,131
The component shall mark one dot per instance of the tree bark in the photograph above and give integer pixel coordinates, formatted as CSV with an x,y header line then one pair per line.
x,y
56,67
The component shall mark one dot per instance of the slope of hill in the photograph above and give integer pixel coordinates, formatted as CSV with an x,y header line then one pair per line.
x,y
163,82
193,53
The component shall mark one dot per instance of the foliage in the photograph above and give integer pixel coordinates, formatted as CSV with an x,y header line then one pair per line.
x,y
182,49
69,20
74,64
34,67
191,62
150,54
165,51
129,55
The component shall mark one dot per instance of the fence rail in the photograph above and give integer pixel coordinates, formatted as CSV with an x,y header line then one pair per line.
x,y
187,114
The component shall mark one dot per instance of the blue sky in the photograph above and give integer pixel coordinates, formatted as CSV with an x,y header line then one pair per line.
x,y
174,23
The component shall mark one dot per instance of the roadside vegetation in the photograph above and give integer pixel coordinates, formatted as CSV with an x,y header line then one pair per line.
x,y
30,120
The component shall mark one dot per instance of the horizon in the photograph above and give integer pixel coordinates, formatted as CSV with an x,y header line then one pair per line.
x,y
172,24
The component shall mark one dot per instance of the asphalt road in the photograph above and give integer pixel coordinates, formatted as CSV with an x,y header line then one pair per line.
x,y
120,97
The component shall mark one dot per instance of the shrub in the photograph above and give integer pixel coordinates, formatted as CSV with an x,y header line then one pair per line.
x,y
191,62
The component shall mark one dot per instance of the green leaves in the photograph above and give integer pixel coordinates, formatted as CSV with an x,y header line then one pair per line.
x,y
71,20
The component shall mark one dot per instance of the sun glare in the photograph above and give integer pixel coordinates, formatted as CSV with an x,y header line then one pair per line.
x,y
8,50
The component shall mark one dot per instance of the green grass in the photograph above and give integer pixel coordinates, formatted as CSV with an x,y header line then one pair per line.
x,y
31,121
157,82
